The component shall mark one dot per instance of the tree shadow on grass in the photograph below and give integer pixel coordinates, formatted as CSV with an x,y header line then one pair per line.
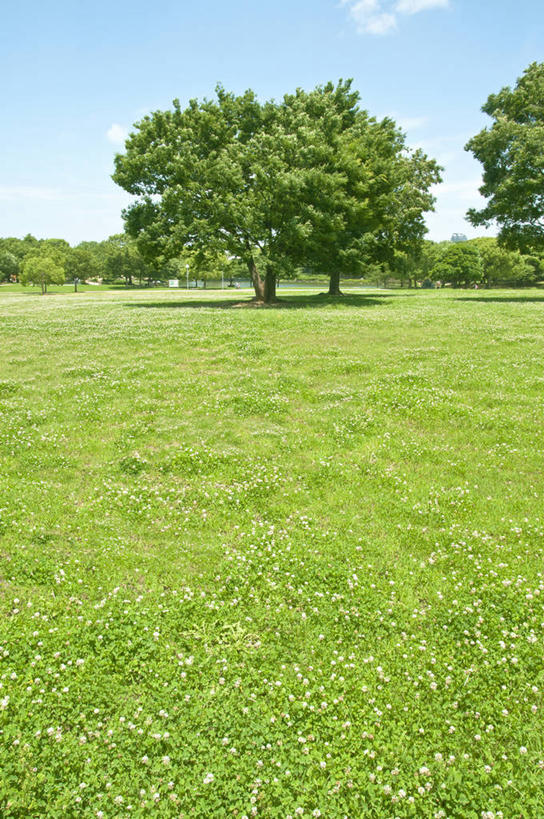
x,y
504,299
288,302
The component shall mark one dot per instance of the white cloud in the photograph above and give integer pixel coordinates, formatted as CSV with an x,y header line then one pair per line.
x,y
380,16
414,6
117,134
381,23
369,17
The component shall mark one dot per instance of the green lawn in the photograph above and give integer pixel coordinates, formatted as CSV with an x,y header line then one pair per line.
x,y
272,562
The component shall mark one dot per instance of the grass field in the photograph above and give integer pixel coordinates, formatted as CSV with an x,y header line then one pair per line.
x,y
278,562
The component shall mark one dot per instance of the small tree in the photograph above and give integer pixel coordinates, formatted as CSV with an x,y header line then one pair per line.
x,y
459,266
122,259
41,270
404,266
500,266
207,265
533,271
80,265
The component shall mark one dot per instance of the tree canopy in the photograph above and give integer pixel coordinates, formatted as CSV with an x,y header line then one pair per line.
x,y
310,180
459,265
9,266
42,270
512,155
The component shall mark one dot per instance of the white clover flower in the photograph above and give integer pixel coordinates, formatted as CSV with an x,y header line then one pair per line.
x,y
523,750
424,771
208,778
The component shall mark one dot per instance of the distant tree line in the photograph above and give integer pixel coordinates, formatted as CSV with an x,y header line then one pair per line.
x,y
117,260
482,262
54,261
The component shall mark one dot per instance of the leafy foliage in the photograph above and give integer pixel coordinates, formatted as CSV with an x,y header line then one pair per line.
x,y
9,266
500,265
42,270
512,155
459,265
311,180
81,264
121,259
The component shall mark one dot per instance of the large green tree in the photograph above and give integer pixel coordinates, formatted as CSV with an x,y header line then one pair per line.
x,y
364,190
512,154
309,180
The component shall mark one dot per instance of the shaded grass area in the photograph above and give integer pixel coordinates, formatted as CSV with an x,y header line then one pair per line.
x,y
303,300
261,561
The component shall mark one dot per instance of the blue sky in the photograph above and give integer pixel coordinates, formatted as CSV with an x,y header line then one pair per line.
x,y
76,75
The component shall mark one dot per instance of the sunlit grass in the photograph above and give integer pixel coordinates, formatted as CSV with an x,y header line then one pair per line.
x,y
271,562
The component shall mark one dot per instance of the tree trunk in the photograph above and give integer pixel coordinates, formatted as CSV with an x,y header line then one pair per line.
x,y
257,282
269,286
334,284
